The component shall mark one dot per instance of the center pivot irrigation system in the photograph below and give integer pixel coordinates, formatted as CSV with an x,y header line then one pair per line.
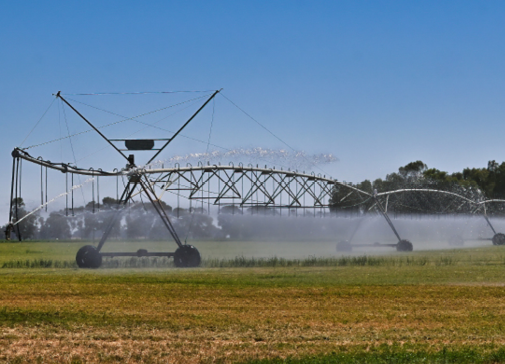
x,y
232,187
90,256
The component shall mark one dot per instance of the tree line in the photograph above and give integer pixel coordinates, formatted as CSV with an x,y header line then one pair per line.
x,y
476,184
89,222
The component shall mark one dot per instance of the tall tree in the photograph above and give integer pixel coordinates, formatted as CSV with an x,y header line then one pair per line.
x,y
56,226
28,227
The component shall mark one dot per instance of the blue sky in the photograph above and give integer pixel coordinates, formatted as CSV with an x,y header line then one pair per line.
x,y
378,84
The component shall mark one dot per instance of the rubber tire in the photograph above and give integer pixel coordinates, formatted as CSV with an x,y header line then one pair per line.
x,y
344,246
404,246
88,257
456,240
187,256
499,239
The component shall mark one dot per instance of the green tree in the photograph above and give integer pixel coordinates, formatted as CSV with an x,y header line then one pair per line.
x,y
56,226
344,198
413,170
417,176
28,226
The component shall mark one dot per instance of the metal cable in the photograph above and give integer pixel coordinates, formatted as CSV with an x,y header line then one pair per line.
x,y
111,124
211,124
140,122
133,118
137,93
270,132
73,153
44,114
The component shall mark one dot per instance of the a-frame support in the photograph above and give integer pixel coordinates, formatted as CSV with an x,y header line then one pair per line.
x,y
185,255
403,245
498,238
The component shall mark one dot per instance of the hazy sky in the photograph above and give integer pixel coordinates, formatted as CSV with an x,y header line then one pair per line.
x,y
377,84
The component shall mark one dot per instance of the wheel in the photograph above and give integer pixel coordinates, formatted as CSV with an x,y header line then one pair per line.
x,y
88,257
499,239
187,256
344,246
404,246
456,240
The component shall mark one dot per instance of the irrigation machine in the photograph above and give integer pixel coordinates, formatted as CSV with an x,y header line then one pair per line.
x,y
90,256
237,187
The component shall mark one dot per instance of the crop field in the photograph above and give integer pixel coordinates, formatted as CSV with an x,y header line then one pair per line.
x,y
425,306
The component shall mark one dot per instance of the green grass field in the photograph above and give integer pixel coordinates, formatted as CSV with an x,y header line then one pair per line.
x,y
427,306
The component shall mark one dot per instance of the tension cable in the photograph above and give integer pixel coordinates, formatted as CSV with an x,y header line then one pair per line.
x,y
138,93
270,132
73,154
111,124
44,114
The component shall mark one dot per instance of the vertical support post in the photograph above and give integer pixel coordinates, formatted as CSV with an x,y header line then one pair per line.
x,y
41,185
296,184
233,184
190,185
219,189
208,196
66,194
10,227
11,210
290,199
251,198
93,195
16,190
46,189
72,194
314,200
20,175
98,192
18,231
304,204
264,196
280,199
